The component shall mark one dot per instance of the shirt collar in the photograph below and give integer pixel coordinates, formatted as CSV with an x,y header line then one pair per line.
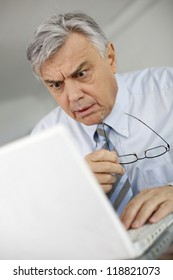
x,y
117,119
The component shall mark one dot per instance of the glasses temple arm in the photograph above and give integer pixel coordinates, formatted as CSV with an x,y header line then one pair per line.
x,y
150,129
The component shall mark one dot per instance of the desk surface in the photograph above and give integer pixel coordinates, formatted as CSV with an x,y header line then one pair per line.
x,y
168,255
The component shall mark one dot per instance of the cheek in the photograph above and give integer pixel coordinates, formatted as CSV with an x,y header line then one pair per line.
x,y
58,98
64,104
62,101
108,100
106,96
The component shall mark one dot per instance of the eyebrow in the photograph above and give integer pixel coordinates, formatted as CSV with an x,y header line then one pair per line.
x,y
79,68
73,74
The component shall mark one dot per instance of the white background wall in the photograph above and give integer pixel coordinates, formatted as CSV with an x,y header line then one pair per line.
x,y
141,31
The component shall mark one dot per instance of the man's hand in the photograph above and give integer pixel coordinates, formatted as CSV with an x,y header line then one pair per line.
x,y
105,165
150,205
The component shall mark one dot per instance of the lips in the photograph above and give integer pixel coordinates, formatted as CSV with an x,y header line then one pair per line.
x,y
85,111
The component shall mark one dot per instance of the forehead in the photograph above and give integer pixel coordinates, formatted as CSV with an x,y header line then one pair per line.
x,y
77,50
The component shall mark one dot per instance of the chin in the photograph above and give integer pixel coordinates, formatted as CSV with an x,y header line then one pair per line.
x,y
90,120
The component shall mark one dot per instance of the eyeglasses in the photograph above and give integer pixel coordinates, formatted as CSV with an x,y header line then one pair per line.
x,y
149,153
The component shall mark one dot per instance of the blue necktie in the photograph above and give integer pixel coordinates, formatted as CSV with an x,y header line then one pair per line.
x,y
121,192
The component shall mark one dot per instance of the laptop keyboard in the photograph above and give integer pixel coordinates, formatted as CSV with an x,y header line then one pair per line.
x,y
150,232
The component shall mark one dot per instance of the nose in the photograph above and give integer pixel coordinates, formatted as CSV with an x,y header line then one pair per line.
x,y
74,91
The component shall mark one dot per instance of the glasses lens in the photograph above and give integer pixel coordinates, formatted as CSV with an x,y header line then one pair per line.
x,y
125,159
156,152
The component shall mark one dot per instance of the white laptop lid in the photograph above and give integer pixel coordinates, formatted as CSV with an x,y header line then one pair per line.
x,y
51,206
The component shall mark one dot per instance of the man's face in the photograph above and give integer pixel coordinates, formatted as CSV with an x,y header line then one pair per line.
x,y
80,80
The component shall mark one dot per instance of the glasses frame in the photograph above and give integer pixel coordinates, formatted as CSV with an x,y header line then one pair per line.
x,y
166,148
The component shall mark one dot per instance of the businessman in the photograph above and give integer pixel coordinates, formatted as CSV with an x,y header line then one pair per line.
x,y
122,123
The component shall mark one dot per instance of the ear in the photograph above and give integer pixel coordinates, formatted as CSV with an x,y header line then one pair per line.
x,y
110,55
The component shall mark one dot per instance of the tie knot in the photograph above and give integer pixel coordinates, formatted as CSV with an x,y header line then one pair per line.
x,y
103,130
101,136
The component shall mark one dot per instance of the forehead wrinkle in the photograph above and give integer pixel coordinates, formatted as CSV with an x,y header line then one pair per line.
x,y
78,69
52,73
57,67
71,75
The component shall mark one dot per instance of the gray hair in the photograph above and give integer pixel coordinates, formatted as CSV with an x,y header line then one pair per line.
x,y
52,34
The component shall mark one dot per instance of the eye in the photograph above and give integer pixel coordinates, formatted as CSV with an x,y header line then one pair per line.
x,y
57,85
82,74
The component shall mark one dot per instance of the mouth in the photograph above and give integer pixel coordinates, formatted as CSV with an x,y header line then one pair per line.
x,y
86,111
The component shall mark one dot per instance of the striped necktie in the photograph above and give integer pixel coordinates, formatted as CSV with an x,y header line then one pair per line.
x,y
121,191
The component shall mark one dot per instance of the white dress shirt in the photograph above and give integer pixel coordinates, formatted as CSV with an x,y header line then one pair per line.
x,y
147,95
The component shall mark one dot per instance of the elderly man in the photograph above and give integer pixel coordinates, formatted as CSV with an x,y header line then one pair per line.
x,y
122,123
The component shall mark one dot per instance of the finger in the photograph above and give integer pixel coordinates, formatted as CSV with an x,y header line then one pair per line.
x,y
157,204
145,207
105,178
131,210
107,167
103,155
164,209
129,213
144,214
106,187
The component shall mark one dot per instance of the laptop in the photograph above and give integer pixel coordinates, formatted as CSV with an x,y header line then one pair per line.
x,y
51,206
